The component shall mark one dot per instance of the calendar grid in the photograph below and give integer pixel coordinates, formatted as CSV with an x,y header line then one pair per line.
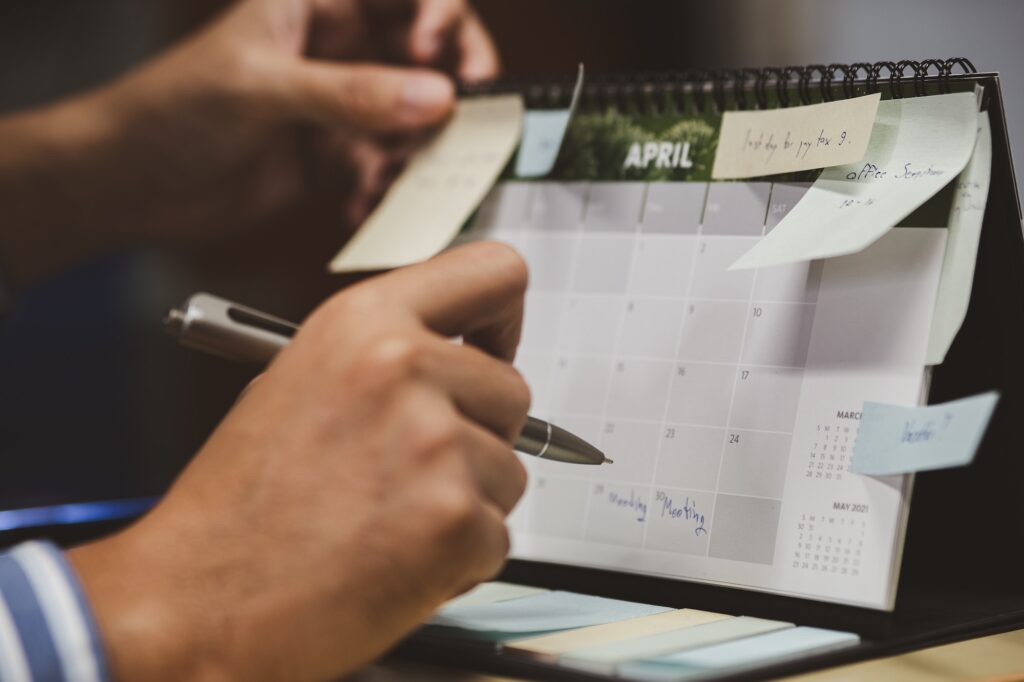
x,y
697,383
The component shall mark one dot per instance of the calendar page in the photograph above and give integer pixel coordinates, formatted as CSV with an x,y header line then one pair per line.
x,y
728,400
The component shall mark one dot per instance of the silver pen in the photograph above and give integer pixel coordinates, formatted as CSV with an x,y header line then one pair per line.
x,y
235,332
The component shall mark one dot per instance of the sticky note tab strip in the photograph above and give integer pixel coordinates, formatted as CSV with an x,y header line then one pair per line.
x,y
917,147
750,652
439,189
899,440
542,613
543,132
605,659
770,141
493,592
601,636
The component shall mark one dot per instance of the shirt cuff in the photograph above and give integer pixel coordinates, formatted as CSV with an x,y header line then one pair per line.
x,y
47,631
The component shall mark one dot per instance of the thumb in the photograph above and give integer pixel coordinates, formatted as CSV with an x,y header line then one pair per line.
x,y
369,97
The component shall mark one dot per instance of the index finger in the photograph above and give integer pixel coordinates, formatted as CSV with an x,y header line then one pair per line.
x,y
475,291
435,22
478,56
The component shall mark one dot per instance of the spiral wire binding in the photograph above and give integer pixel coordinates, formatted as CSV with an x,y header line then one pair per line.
x,y
701,91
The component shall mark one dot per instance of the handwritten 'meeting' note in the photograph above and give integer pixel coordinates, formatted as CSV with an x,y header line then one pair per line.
x,y
917,147
755,143
440,188
897,440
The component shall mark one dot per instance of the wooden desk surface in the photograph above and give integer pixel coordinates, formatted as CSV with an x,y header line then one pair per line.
x,y
998,658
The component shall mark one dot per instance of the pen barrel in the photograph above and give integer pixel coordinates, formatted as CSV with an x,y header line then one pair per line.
x,y
216,326
547,441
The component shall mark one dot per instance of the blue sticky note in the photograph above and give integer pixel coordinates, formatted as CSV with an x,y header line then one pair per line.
x,y
544,612
543,132
899,440
740,654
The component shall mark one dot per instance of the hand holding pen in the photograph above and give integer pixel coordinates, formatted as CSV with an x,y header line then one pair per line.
x,y
236,332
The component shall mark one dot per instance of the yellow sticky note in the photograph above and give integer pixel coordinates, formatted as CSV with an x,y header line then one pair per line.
x,y
770,141
601,635
439,189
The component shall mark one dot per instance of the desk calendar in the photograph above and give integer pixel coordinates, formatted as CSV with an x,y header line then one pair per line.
x,y
729,400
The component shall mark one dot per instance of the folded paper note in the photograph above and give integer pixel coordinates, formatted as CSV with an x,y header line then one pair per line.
x,y
899,440
770,141
917,147
441,187
541,613
965,217
490,593
605,660
543,132
601,636
735,656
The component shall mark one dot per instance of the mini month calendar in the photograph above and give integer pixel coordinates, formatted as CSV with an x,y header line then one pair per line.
x,y
729,400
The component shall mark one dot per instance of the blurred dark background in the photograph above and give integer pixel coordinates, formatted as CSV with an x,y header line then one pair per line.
x,y
96,402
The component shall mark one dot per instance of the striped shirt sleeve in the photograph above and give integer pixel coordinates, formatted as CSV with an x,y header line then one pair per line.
x,y
47,632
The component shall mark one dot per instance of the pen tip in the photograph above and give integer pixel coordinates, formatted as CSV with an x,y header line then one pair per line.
x,y
608,461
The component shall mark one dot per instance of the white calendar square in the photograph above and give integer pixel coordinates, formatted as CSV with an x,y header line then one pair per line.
x,y
751,408
602,265
754,463
582,316
701,394
795,283
650,327
680,521
579,385
777,334
635,445
728,319
662,266
639,388
549,495
690,457
711,277
618,513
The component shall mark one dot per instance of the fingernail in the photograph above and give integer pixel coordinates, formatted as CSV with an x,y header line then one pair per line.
x,y
427,93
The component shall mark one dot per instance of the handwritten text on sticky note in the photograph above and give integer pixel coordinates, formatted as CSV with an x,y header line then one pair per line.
x,y
755,143
899,440
439,189
918,146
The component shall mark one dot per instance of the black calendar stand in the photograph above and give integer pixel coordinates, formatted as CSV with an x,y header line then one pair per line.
x,y
962,566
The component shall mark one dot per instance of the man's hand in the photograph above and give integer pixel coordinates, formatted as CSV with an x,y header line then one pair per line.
x,y
273,106
361,482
